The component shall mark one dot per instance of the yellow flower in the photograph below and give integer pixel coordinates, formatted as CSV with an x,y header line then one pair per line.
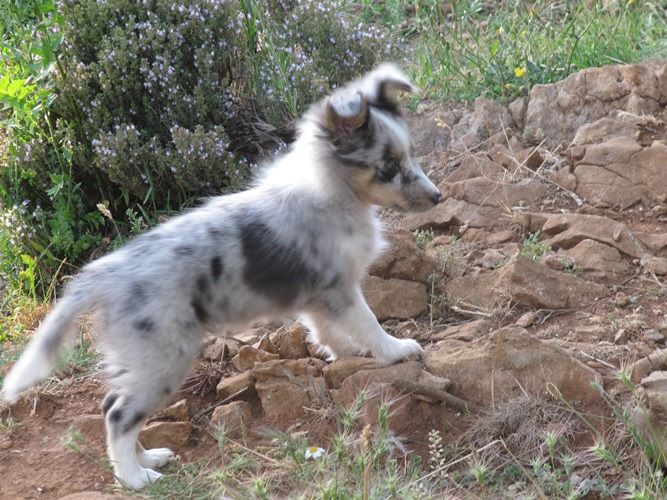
x,y
520,72
508,85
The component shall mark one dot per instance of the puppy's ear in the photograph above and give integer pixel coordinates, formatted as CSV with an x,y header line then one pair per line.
x,y
383,83
345,113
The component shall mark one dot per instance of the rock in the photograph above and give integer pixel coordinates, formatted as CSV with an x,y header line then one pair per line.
x,y
530,284
568,230
367,379
178,411
470,330
621,336
517,109
501,366
555,112
527,319
5,443
288,368
617,124
656,361
291,342
430,380
656,381
655,265
656,243
488,118
654,335
221,349
621,299
248,356
524,283
430,130
233,417
403,259
478,203
265,344
336,372
530,158
229,386
620,172
492,259
555,262
283,400
90,426
654,389
598,259
173,435
477,165
394,298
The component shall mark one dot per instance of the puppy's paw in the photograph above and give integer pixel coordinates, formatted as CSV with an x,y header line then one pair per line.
x,y
401,349
156,457
139,478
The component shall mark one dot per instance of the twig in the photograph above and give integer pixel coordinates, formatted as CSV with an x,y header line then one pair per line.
x,y
473,313
608,365
438,394
219,403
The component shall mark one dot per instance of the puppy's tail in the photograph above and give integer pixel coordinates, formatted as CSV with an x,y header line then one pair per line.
x,y
43,351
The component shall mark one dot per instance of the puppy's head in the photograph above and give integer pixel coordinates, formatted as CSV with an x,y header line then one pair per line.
x,y
370,143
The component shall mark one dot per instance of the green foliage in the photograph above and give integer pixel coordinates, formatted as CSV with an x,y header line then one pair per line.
x,y
533,248
423,237
469,48
145,106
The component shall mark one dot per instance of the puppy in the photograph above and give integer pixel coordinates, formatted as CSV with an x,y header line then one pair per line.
x,y
295,243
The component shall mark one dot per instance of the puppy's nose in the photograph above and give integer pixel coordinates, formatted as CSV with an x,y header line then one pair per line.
x,y
436,197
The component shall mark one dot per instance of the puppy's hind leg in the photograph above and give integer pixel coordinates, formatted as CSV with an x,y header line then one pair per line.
x,y
149,377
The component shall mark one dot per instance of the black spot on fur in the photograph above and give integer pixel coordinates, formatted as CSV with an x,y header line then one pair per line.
x,y
184,250
408,178
345,145
216,267
145,325
214,232
383,102
181,352
272,267
108,402
166,391
139,291
333,282
119,373
134,421
223,304
200,311
203,285
116,415
390,167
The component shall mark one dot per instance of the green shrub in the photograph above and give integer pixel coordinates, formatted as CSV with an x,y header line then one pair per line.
x,y
147,106
502,49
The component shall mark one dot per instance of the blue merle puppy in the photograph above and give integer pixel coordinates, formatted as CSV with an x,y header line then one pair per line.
x,y
295,243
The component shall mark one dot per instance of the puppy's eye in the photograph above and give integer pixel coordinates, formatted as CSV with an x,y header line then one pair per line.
x,y
389,170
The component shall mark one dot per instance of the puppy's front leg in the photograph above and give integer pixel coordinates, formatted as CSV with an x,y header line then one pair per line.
x,y
343,323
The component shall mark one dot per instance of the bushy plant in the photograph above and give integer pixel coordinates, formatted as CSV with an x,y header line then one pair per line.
x,y
145,106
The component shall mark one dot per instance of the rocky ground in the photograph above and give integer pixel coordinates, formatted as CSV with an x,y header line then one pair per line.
x,y
542,276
